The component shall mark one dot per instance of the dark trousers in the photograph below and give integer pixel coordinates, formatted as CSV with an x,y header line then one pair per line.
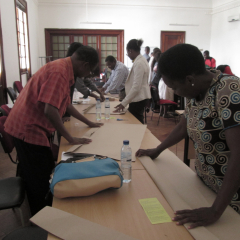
x,y
137,109
36,164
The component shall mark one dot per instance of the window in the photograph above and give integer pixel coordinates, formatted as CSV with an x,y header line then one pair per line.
x,y
106,42
23,38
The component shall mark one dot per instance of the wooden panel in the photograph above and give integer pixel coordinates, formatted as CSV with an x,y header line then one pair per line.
x,y
169,39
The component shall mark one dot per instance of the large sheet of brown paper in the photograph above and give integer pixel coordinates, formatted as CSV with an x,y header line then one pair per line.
x,y
108,139
70,227
184,190
92,108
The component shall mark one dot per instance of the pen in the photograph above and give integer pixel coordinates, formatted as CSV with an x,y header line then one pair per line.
x,y
119,119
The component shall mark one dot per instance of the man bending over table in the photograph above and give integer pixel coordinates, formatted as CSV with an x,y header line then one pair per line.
x,y
38,112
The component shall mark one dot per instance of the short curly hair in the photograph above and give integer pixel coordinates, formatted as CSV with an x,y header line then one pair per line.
x,y
181,60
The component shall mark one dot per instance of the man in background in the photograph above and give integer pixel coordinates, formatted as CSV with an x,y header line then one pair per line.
x,y
146,54
210,61
118,77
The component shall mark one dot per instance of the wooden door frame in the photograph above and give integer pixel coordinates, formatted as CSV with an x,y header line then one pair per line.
x,y
118,33
3,72
170,33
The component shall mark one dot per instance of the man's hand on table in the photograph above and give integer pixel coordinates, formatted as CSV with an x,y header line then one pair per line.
x,y
198,217
76,141
119,108
152,153
102,98
95,125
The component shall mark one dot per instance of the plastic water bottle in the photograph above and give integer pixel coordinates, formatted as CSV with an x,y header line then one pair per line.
x,y
98,110
107,109
75,95
126,161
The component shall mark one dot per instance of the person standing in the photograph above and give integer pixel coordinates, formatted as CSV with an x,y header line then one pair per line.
x,y
38,112
136,86
117,78
146,54
212,122
210,61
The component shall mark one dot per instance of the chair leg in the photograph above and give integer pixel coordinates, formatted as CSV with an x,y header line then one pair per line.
x,y
21,216
158,119
11,158
152,116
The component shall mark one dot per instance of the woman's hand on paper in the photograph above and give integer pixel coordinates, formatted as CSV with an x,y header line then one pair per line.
x,y
76,141
197,217
152,153
119,108
95,125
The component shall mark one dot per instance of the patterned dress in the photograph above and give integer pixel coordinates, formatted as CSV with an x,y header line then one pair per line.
x,y
207,121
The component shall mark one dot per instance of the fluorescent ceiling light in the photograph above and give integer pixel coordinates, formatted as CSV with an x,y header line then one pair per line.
x,y
178,24
96,22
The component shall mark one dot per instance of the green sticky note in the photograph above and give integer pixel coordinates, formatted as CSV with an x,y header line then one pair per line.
x,y
154,210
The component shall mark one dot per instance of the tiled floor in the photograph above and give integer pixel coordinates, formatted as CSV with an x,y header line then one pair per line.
x,y
10,220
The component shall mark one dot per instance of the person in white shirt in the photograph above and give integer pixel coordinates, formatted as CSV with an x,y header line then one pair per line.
x,y
146,54
118,77
136,86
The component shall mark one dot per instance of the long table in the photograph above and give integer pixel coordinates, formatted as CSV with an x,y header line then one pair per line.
x,y
120,209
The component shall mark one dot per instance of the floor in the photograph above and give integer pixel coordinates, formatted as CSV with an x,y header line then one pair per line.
x,y
10,220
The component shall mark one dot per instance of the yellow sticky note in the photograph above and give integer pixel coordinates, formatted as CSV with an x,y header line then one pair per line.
x,y
154,210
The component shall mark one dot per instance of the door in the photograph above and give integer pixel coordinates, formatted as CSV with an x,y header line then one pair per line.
x,y
169,39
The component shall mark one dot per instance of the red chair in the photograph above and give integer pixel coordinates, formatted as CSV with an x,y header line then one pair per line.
x,y
17,85
6,139
4,110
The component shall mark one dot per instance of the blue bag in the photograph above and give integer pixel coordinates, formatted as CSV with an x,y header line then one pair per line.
x,y
77,179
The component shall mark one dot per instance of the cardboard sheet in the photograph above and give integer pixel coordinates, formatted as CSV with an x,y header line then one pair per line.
x,y
108,139
184,190
70,227
92,108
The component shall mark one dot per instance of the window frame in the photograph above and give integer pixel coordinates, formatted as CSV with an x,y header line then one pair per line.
x,y
49,32
26,70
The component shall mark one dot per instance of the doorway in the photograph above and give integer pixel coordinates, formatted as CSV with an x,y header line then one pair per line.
x,y
168,40
171,38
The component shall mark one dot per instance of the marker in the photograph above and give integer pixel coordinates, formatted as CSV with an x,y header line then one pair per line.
x,y
119,119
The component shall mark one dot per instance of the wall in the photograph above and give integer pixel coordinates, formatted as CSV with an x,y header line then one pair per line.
x,y
145,21
225,47
8,20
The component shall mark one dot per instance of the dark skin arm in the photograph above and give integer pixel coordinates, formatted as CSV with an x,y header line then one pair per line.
x,y
53,116
178,133
73,112
208,215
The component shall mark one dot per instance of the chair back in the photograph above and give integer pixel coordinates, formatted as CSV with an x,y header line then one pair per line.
x,y
5,138
11,94
4,110
17,85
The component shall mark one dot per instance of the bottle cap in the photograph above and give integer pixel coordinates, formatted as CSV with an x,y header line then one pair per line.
x,y
126,142
107,98
98,99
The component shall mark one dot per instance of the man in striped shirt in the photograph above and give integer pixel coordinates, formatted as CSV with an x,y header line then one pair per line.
x,y
118,77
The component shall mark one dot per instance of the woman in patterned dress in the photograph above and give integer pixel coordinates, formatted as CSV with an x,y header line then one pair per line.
x,y
212,121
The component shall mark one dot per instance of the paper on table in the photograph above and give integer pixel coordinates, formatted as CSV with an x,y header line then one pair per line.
x,y
108,139
92,110
70,227
184,190
155,211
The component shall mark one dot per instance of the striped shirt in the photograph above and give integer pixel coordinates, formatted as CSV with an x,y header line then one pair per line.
x,y
50,84
117,79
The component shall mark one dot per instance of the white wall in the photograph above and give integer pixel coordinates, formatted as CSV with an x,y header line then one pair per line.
x,y
225,47
146,21
10,45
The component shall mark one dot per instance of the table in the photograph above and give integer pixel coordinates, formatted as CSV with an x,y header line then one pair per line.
x,y
120,209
